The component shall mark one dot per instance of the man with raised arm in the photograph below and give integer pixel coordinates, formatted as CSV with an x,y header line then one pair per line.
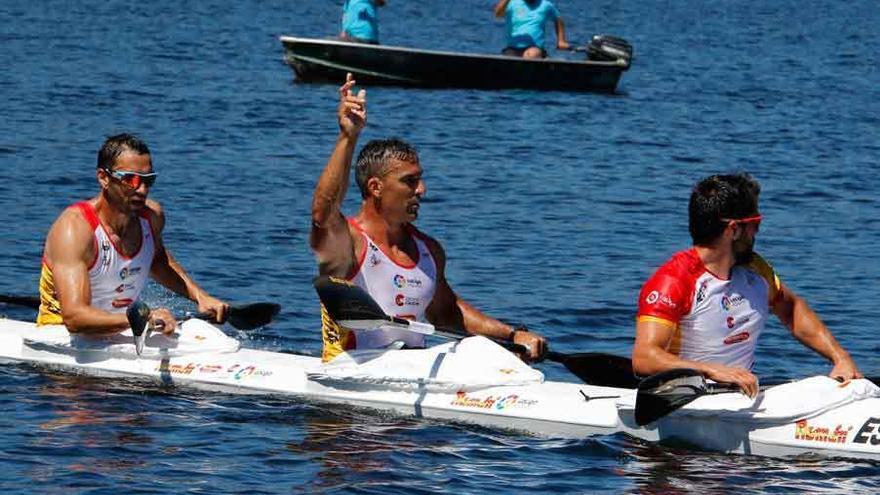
x,y
380,250
707,306
525,21
100,252
360,21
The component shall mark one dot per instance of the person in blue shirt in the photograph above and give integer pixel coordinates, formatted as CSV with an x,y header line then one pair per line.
x,y
525,27
360,22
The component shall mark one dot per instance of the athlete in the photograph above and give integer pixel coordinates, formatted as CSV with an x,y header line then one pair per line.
x,y
525,27
706,307
360,21
380,250
99,252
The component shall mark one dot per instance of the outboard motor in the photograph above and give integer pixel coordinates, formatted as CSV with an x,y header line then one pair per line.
x,y
607,48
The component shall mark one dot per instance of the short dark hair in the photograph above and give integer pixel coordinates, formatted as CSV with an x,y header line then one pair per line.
x,y
114,146
374,159
717,197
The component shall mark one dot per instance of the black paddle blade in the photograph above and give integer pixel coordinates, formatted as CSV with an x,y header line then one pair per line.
x,y
254,315
596,368
348,304
26,301
138,315
660,394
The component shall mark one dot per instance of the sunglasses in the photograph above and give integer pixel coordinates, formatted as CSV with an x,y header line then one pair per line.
x,y
134,179
747,220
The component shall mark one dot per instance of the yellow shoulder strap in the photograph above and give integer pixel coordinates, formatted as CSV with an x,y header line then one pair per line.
x,y
760,266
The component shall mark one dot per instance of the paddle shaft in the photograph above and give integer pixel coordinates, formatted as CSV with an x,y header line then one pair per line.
x,y
243,317
32,302
455,333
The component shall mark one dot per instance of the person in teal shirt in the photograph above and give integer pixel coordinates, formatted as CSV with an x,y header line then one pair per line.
x,y
360,22
525,26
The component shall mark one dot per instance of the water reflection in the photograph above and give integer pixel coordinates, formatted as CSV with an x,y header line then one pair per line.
x,y
663,470
352,445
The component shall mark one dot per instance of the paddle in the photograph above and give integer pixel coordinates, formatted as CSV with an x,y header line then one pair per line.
x,y
26,301
663,393
352,307
246,316
138,315
242,316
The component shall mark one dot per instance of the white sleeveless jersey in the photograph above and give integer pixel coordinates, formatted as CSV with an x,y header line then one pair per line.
x,y
116,280
403,291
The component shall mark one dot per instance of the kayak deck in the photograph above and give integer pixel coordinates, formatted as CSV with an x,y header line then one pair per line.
x,y
553,409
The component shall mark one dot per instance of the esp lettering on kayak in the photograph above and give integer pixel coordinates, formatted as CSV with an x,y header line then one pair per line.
x,y
868,432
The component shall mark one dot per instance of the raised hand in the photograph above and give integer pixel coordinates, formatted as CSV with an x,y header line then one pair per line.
x,y
352,110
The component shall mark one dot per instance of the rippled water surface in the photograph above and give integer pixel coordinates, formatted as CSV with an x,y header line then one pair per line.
x,y
553,209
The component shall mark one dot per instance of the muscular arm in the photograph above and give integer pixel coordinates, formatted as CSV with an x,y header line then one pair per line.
x,y
330,237
448,309
807,327
500,7
69,252
167,271
651,355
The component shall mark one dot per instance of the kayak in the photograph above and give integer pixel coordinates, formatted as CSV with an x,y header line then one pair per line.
x,y
812,416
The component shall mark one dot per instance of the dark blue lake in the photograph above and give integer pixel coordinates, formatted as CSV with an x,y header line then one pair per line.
x,y
553,208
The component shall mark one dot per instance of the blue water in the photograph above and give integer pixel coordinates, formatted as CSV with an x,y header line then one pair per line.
x,y
553,209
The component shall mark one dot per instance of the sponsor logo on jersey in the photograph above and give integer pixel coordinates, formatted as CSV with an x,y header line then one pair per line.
x,y
736,338
129,271
373,260
701,293
400,282
122,302
402,300
731,321
731,301
105,254
655,297
124,287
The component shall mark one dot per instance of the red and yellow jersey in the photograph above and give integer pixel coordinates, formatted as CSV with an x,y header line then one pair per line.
x,y
714,320
400,290
115,280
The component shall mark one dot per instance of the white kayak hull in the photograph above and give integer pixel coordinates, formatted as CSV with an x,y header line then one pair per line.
x,y
553,409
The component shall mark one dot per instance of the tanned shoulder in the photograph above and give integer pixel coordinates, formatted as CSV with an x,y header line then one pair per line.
x,y
71,234
156,215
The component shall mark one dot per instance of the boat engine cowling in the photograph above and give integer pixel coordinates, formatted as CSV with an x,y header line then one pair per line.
x,y
608,48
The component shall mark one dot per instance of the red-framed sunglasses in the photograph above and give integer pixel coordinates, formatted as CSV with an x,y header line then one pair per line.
x,y
134,179
755,220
